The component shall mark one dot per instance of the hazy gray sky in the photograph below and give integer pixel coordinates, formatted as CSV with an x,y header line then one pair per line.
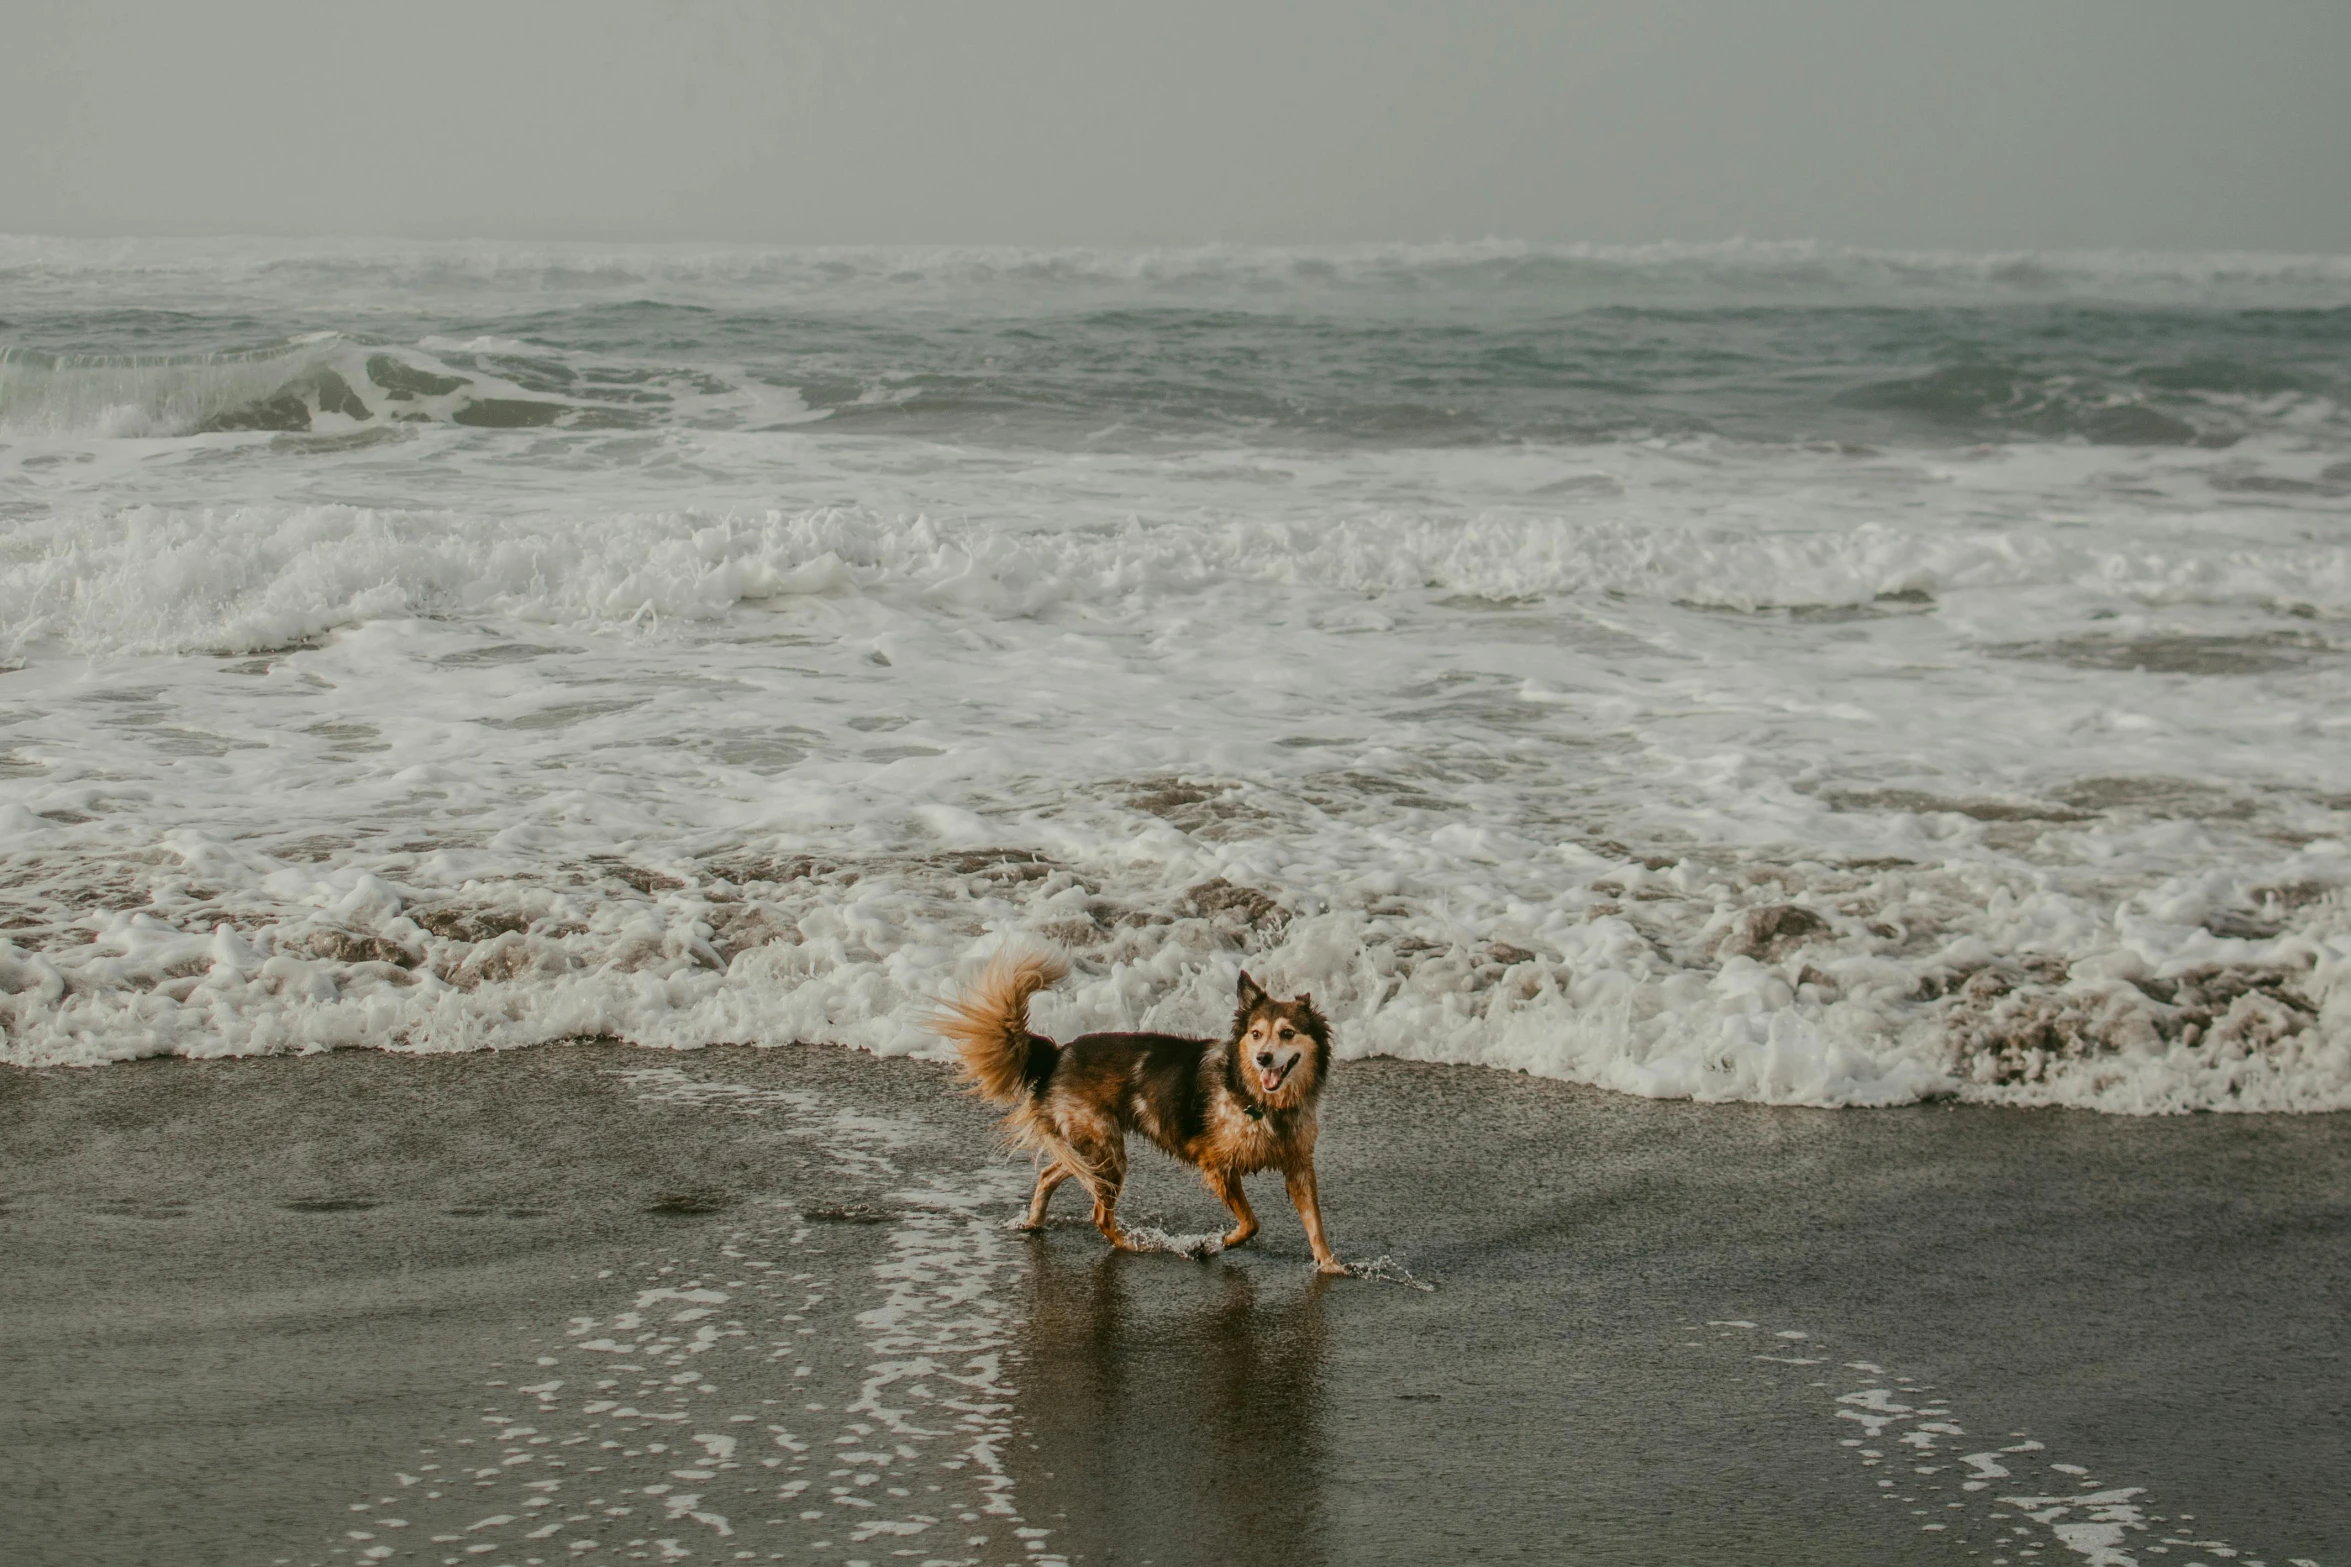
x,y
1982,125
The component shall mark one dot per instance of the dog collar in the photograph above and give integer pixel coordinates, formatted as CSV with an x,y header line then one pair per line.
x,y
1255,1112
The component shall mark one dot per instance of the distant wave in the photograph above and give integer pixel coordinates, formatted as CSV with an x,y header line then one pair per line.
x,y
325,381
1329,385
170,394
1483,344
972,274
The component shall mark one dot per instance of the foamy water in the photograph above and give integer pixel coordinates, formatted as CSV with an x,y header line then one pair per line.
x,y
2005,1498
1746,672
696,1419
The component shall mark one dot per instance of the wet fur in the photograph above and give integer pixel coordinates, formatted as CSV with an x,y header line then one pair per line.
x,y
1075,1103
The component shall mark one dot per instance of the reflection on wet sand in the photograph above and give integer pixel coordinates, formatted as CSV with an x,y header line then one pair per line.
x,y
1176,1410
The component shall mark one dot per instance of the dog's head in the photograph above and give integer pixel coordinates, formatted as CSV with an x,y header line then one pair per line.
x,y
1281,1049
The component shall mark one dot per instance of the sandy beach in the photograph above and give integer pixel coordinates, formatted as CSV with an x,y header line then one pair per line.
x,y
354,1307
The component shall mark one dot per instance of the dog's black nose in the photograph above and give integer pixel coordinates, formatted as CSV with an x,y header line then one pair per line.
x,y
1266,1060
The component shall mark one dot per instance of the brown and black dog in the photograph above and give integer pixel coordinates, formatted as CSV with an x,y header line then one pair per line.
x,y
1228,1107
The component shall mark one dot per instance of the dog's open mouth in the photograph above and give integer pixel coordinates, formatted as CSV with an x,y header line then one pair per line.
x,y
1271,1078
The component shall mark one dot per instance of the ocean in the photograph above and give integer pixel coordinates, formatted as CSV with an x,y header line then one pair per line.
x,y
1756,672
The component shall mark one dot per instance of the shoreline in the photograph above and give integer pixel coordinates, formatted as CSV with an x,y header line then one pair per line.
x,y
245,1294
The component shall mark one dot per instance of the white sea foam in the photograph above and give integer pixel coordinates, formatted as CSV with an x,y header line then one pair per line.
x,y
145,578
1477,934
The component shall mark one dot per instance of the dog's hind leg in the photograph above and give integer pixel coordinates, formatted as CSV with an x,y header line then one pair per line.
x,y
1227,1186
1048,1181
1104,1171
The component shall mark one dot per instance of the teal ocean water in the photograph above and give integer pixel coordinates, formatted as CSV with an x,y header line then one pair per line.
x,y
1747,671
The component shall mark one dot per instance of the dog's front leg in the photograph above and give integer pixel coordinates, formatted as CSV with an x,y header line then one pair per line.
x,y
1309,1202
1227,1185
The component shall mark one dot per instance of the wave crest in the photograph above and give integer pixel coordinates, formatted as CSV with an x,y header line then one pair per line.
x,y
326,381
154,579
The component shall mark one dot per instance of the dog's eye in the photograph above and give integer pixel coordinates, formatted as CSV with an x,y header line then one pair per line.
x,y
1289,1034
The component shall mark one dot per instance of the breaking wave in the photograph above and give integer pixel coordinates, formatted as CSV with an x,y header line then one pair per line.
x,y
278,386
153,579
327,382
1715,990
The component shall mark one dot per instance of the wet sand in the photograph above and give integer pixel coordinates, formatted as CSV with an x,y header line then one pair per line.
x,y
326,1309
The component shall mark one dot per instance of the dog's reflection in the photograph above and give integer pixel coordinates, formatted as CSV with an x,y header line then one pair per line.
x,y
1175,1408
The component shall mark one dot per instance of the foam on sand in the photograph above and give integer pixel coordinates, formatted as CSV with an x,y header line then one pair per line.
x,y
2006,1495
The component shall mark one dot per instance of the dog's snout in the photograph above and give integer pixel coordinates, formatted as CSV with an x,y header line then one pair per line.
x,y
1265,1058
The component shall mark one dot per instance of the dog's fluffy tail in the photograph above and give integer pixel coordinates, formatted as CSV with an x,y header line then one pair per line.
x,y
989,1023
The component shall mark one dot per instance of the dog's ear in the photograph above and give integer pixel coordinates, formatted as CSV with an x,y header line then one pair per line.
x,y
1250,992
1315,1024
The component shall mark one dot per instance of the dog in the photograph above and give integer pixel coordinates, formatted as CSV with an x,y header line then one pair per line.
x,y
1227,1107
